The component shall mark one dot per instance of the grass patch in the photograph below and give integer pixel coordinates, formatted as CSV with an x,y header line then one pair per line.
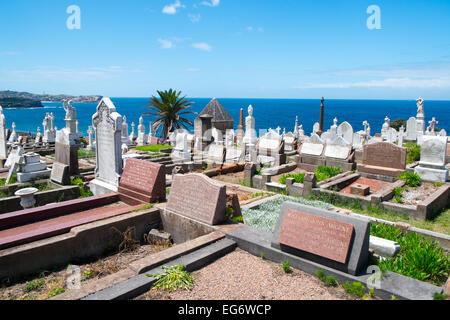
x,y
412,152
11,181
412,179
258,194
86,153
354,288
173,278
419,258
34,285
83,193
328,280
153,148
324,173
298,177
144,207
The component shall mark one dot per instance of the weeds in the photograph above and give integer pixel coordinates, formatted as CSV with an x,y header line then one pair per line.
x,y
355,288
328,280
34,285
173,278
412,179
286,265
128,242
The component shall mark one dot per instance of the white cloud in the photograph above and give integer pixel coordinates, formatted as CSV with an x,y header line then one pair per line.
x,y
202,46
399,83
166,44
194,17
192,69
211,3
172,8
249,28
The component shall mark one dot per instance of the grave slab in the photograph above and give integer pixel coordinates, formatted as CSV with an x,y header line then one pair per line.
x,y
329,238
198,197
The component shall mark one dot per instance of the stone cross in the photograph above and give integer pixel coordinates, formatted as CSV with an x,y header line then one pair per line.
x,y
278,130
432,126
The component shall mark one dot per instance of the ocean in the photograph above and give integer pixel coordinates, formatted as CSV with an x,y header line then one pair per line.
x,y
268,113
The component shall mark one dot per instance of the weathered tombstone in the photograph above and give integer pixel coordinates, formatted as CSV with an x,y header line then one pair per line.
x,y
337,152
383,158
325,237
60,173
216,154
315,139
432,159
32,168
198,197
345,130
14,156
411,129
314,149
143,180
108,128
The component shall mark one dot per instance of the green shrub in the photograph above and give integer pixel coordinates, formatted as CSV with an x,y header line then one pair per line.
x,y
355,288
412,179
398,192
419,258
173,278
298,177
56,292
34,285
286,266
323,172
79,182
412,152
398,199
439,296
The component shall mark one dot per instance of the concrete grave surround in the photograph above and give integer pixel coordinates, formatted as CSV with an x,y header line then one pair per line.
x,y
314,149
325,237
108,128
338,152
198,197
143,180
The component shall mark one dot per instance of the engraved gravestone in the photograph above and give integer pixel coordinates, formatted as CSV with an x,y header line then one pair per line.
x,y
60,173
329,238
198,197
384,154
108,130
143,180
314,149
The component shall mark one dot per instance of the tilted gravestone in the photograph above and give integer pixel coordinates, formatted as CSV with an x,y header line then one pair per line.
x,y
143,180
325,237
432,159
198,197
60,173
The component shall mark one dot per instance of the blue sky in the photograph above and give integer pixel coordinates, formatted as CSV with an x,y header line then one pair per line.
x,y
228,48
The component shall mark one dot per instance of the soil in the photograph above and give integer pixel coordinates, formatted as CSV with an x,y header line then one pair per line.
x,y
414,195
54,281
234,178
242,276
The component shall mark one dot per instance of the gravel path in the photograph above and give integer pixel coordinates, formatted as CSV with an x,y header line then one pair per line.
x,y
240,275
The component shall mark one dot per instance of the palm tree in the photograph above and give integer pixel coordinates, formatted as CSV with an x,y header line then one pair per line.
x,y
168,109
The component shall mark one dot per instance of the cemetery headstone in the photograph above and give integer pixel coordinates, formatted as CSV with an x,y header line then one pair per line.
x,y
143,180
60,174
198,197
325,237
108,127
432,159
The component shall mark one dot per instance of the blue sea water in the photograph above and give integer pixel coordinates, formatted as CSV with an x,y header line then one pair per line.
x,y
268,113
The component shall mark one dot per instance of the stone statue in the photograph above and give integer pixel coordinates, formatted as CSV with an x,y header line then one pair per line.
x,y
420,106
71,113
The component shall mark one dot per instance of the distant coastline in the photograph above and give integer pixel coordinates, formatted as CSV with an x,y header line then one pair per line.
x,y
23,100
